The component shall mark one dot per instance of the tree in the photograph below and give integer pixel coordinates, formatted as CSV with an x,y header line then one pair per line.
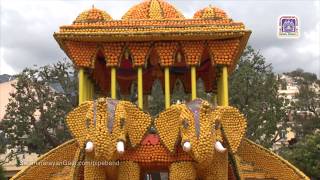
x,y
306,107
35,116
156,100
178,93
2,176
304,150
254,90
305,155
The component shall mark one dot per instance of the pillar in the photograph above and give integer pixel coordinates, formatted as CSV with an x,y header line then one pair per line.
x,y
140,88
193,83
90,89
86,87
81,85
113,83
219,92
167,86
224,81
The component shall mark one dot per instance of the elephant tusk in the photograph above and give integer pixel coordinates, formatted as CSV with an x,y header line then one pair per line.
x,y
186,146
89,146
219,147
120,147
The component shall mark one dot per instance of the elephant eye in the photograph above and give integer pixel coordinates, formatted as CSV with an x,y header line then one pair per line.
x,y
185,124
122,123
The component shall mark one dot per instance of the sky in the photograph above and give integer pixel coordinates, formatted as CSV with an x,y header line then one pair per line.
x,y
27,27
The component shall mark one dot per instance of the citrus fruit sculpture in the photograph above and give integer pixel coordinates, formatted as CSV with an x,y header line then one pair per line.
x,y
118,139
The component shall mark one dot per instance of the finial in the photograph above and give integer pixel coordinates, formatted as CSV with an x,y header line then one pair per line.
x,y
92,6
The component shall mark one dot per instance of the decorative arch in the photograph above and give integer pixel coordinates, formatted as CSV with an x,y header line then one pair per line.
x,y
166,51
100,72
224,51
81,53
193,51
179,57
113,52
152,71
126,56
207,70
125,71
139,52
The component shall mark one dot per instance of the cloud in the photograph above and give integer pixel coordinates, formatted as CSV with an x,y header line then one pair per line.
x,y
5,68
310,43
27,28
298,53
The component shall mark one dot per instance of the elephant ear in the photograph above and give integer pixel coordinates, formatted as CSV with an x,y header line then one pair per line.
x,y
78,120
136,122
168,126
233,126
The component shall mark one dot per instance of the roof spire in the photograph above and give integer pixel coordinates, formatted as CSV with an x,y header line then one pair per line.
x,y
155,11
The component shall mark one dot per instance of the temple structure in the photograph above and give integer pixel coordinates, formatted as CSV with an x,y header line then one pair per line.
x,y
116,139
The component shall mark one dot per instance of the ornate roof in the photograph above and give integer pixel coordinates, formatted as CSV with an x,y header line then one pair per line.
x,y
210,13
145,27
92,15
153,9
151,20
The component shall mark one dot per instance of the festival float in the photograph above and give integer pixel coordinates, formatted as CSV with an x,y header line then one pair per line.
x,y
118,139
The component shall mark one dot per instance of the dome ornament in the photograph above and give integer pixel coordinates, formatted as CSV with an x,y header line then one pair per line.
x,y
210,12
153,9
92,15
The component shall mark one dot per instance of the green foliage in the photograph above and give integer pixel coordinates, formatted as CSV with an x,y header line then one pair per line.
x,y
2,176
303,77
35,116
305,123
306,108
253,89
156,100
2,143
305,155
178,93
201,93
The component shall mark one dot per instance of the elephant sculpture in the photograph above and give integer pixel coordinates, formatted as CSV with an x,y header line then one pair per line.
x,y
209,134
192,141
103,129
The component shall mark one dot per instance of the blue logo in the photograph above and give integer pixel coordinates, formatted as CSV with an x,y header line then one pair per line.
x,y
288,27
